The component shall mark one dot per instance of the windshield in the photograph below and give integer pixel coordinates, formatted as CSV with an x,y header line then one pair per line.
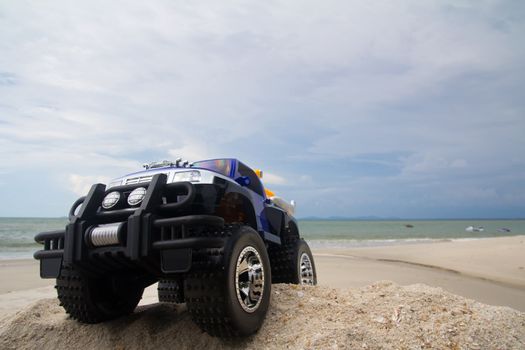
x,y
221,166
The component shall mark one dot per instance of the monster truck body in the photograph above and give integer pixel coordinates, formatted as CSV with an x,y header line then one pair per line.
x,y
206,231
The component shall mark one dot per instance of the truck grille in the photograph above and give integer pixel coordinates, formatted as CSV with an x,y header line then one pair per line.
x,y
140,179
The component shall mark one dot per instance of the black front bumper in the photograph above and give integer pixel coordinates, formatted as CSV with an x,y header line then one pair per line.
x,y
157,237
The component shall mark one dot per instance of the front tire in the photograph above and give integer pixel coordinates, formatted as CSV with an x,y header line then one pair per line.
x,y
228,290
170,291
91,300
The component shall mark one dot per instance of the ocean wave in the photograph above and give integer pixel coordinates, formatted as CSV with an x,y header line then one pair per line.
x,y
18,244
356,243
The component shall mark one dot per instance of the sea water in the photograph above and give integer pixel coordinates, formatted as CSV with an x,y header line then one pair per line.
x,y
17,234
357,233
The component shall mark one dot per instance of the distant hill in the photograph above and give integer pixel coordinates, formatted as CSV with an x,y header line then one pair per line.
x,y
346,218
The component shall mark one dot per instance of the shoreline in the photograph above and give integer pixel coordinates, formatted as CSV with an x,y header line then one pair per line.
x,y
337,244
331,244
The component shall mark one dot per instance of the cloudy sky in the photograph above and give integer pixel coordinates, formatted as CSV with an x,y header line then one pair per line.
x,y
410,109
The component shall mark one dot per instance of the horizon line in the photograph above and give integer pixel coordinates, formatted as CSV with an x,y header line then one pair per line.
x,y
329,218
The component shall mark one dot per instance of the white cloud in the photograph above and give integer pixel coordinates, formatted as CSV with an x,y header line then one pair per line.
x,y
193,151
273,179
432,164
80,184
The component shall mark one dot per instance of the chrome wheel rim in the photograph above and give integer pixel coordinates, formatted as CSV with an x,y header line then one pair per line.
x,y
306,270
249,279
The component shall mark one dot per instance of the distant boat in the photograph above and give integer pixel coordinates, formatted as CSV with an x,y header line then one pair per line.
x,y
475,229
504,229
409,225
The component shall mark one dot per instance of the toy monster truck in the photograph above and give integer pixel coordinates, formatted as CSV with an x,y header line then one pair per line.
x,y
208,232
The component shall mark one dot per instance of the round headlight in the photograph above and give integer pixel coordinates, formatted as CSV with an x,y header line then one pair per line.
x,y
110,200
136,196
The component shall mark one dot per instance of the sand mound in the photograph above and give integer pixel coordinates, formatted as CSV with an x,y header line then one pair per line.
x,y
383,315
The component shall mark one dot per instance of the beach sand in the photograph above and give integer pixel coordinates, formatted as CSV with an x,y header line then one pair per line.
x,y
491,271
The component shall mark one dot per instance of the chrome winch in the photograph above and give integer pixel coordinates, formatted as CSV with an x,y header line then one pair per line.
x,y
104,235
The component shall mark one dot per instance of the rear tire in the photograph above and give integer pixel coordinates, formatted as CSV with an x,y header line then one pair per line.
x,y
91,300
304,264
281,258
228,290
293,262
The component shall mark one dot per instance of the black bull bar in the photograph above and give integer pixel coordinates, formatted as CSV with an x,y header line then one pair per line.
x,y
154,228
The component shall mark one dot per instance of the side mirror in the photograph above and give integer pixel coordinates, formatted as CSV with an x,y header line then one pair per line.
x,y
243,181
